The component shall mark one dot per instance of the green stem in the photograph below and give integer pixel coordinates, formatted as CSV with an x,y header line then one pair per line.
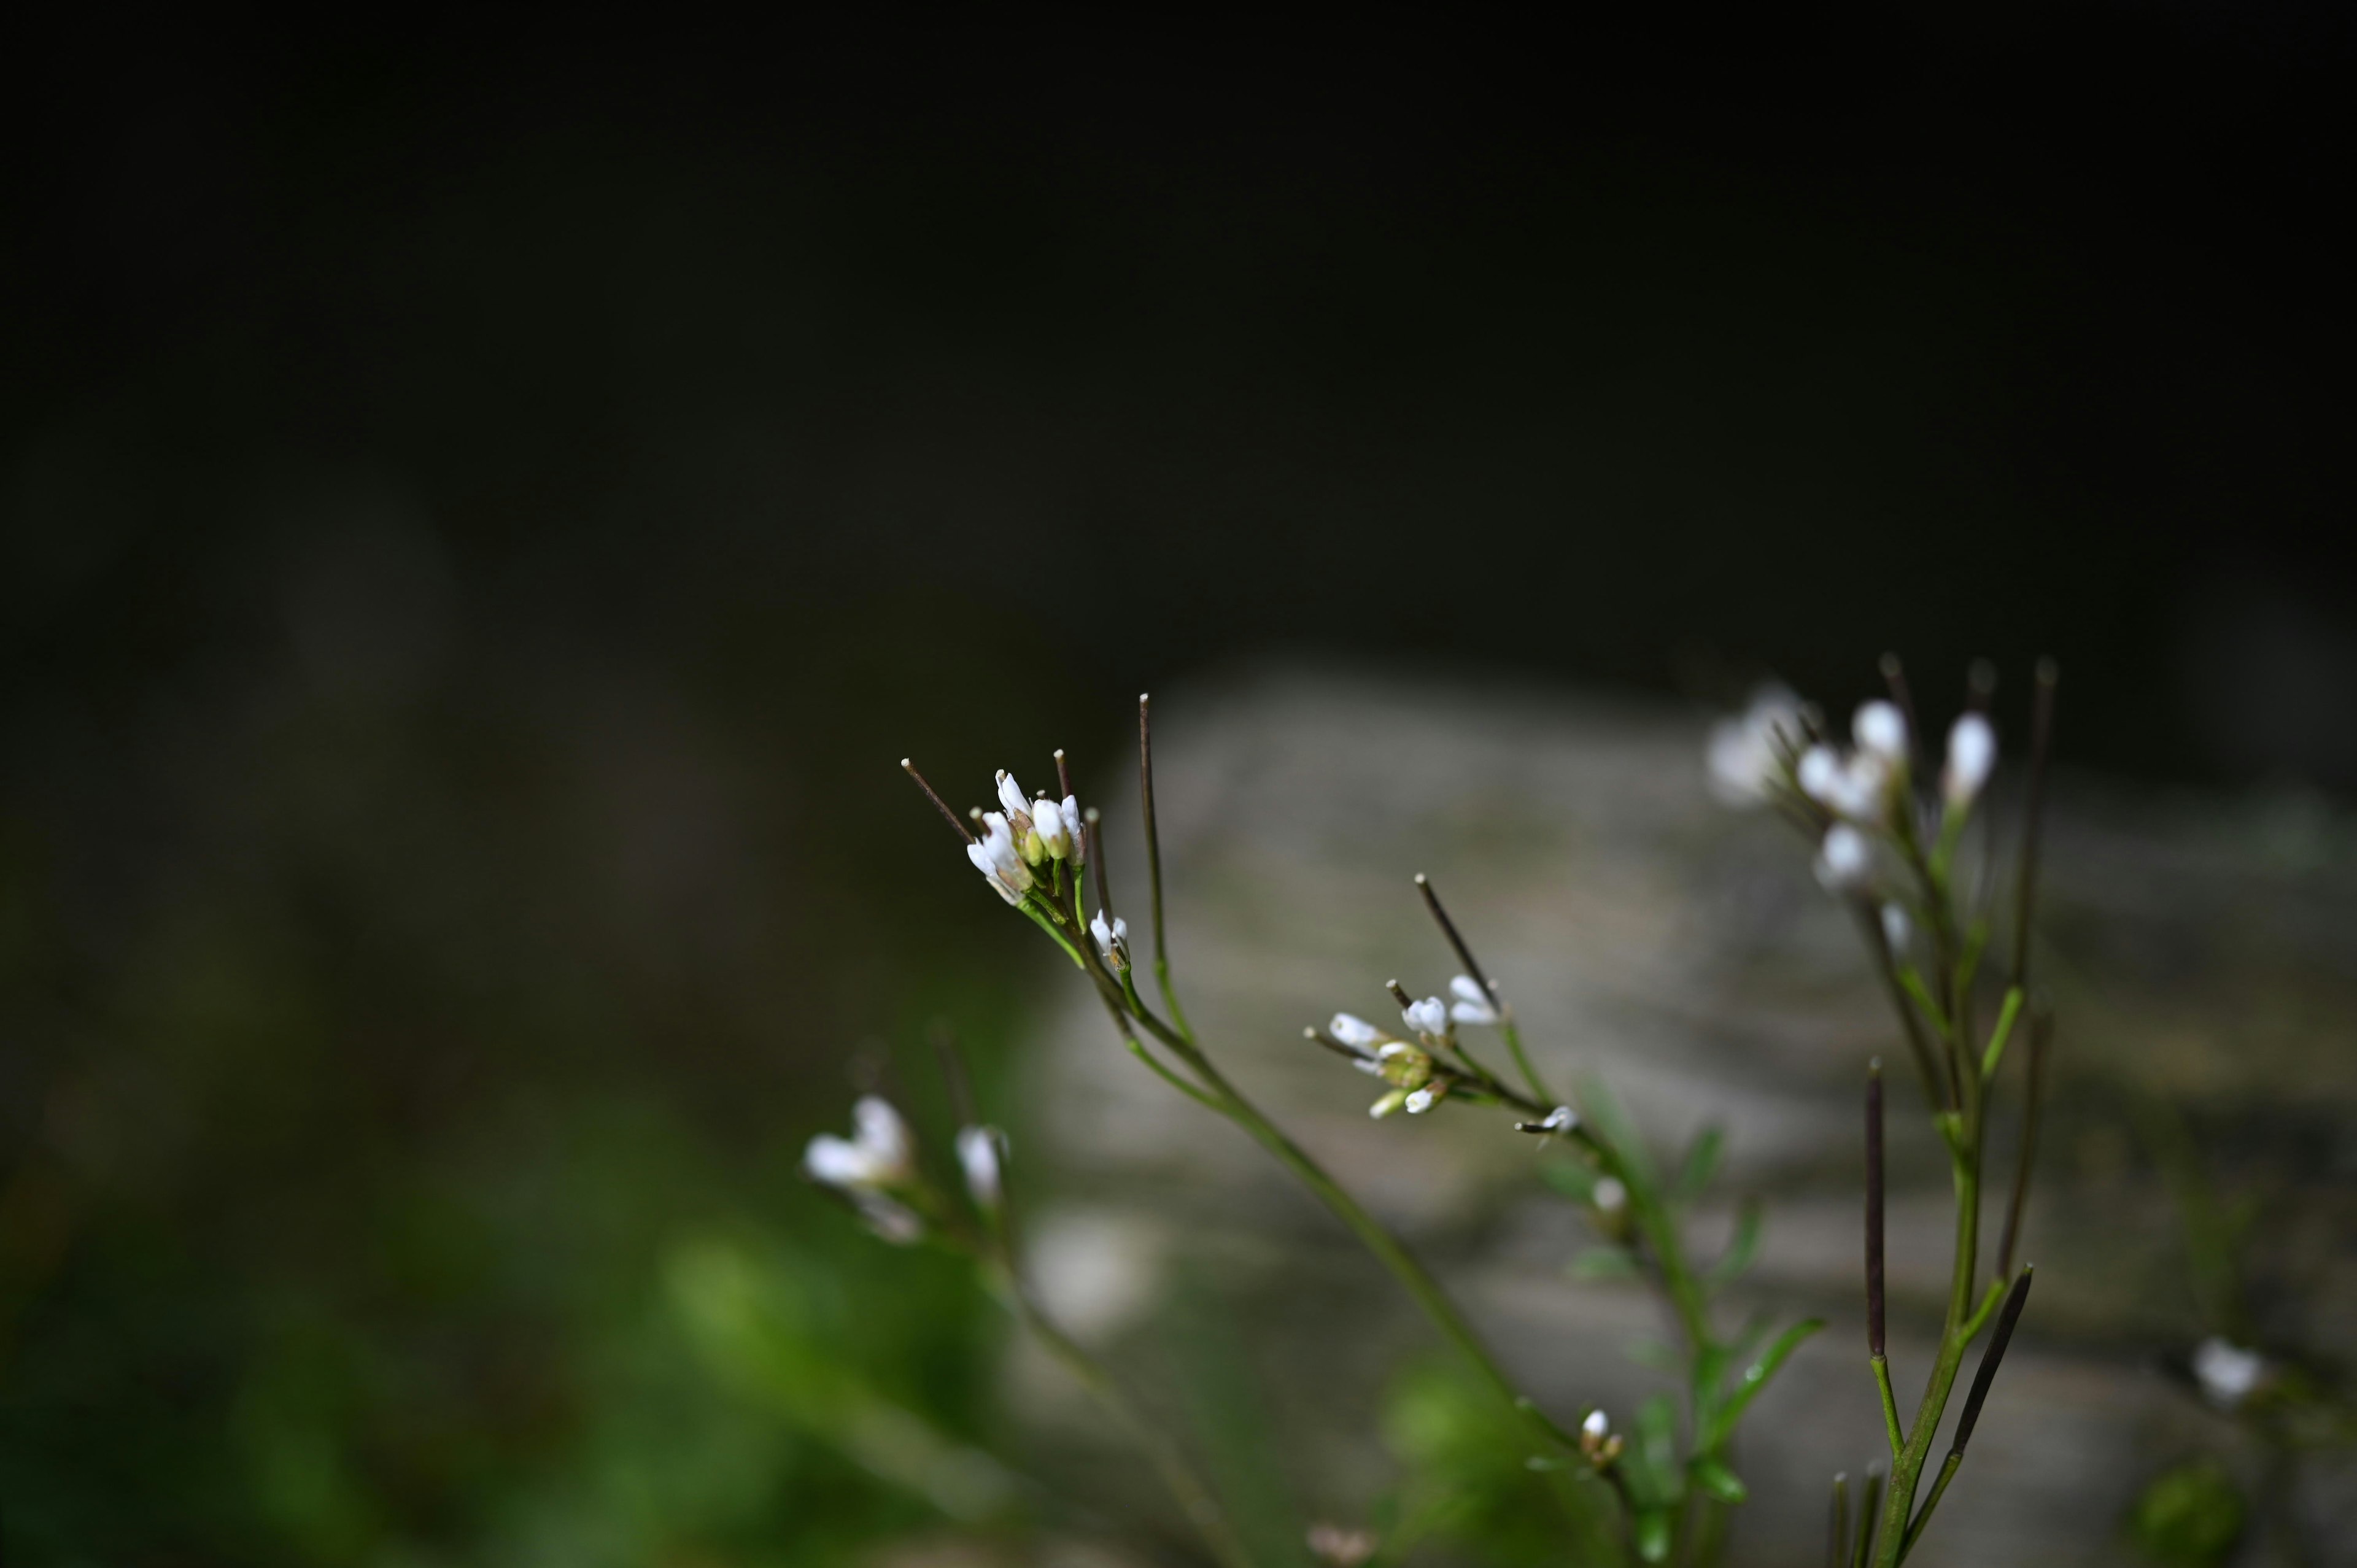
x,y
1906,1468
1889,1405
1522,1063
1195,1498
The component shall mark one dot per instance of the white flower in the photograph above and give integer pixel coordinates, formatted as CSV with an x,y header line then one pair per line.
x,y
1596,1425
1562,1118
1419,1101
1609,1196
1429,1017
1857,786
1880,730
1352,1030
994,854
1473,1004
977,1152
1744,756
1113,940
880,1151
1896,928
1844,861
1076,829
1972,757
2227,1372
1018,804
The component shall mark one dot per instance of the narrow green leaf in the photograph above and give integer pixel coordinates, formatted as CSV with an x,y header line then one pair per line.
x,y
1575,1179
1755,1378
1653,1536
1652,1354
1599,1263
1701,1163
1609,1122
1718,1480
1740,1251
1657,1442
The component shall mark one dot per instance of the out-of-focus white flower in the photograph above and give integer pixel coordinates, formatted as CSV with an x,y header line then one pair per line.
x,y
879,1153
1562,1118
1429,1017
977,1152
1597,1440
1895,927
1744,757
1972,757
1880,730
1844,861
1597,1426
994,856
1354,1030
1420,1100
2228,1373
1857,786
1113,940
1609,1196
1473,1004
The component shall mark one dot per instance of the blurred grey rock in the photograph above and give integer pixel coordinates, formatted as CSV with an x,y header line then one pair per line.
x,y
1683,954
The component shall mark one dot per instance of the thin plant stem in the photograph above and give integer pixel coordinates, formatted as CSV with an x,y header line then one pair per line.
x,y
2042,1029
1970,1417
1513,1037
2033,804
1195,1498
1154,862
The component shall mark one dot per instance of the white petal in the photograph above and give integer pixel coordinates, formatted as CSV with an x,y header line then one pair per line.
x,y
1011,796
1429,1017
1819,773
882,1133
1610,1196
977,1151
1048,820
1880,728
1077,826
837,1162
1844,859
1895,927
1352,1030
1562,1118
2227,1372
1418,1102
1465,988
1972,757
1596,1425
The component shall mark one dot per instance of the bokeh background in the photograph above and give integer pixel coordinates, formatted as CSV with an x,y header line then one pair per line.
x,y
485,510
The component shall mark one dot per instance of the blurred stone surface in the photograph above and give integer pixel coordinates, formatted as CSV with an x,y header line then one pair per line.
x,y
2201,951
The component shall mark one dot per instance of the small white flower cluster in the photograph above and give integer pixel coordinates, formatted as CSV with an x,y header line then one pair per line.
x,y
876,1168
1857,792
1417,1084
1023,838
1598,1442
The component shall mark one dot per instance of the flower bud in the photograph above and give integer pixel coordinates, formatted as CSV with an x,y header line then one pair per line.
x,y
1746,754
1055,835
1352,1030
1896,928
1402,1065
1077,828
996,857
1610,1197
1388,1104
1972,757
1429,1017
1819,774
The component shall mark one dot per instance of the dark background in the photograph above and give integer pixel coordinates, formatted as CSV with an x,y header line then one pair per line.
x,y
485,509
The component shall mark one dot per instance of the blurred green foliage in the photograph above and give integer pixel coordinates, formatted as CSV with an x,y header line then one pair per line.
x,y
2190,1516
